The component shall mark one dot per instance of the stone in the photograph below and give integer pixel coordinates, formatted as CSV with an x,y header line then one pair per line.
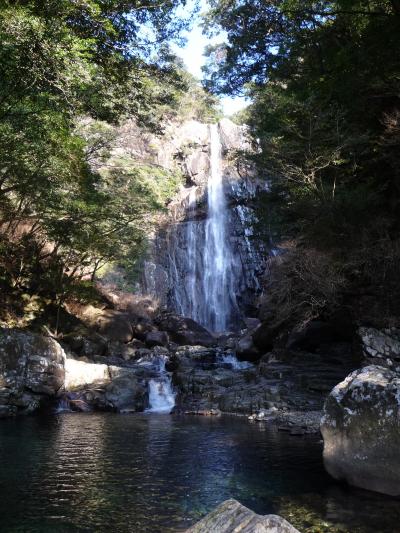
x,y
381,347
157,338
86,344
31,368
198,167
126,394
185,330
141,328
79,374
232,517
361,430
115,325
233,136
246,350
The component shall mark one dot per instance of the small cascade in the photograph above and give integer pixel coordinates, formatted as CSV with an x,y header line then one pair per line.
x,y
161,393
63,405
231,360
72,402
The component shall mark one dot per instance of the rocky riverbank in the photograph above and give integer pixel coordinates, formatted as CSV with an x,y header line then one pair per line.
x,y
109,365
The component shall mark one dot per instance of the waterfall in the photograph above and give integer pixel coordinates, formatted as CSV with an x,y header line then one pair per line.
x,y
218,279
161,394
206,266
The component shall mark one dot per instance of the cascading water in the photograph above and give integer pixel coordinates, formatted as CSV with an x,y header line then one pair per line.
x,y
201,259
230,359
218,280
161,393
206,262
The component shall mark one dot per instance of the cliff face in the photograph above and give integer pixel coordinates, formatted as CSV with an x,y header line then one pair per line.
x,y
177,247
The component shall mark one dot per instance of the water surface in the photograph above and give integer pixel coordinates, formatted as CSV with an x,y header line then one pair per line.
x,y
160,473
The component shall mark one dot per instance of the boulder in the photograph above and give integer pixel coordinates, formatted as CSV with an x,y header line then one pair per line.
x,y
252,323
31,367
232,517
185,330
361,430
115,325
381,347
86,345
198,166
157,338
125,351
246,350
141,328
125,394
233,136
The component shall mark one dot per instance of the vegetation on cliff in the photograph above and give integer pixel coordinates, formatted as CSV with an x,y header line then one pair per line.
x,y
324,79
63,63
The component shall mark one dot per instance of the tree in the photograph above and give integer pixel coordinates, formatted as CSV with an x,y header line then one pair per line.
x,y
59,61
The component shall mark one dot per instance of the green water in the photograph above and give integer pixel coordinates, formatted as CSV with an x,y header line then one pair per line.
x,y
154,473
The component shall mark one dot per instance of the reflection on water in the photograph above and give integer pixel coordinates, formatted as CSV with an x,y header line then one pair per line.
x,y
158,473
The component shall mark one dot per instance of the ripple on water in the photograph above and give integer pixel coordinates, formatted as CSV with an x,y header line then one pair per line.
x,y
102,472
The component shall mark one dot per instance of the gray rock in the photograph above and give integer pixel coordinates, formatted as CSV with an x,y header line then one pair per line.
x,y
157,338
31,368
246,350
381,347
186,331
116,326
232,517
126,394
361,430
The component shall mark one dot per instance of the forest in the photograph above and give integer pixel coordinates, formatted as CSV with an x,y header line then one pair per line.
x,y
199,266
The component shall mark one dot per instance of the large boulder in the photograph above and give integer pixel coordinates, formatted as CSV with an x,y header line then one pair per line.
x,y
125,394
231,517
361,430
185,331
31,368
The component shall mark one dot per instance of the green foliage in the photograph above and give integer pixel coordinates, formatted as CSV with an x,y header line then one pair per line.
x,y
324,78
60,61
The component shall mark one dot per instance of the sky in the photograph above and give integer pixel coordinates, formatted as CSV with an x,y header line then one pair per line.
x,y
192,55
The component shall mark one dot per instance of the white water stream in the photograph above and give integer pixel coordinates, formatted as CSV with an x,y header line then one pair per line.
x,y
218,274
161,393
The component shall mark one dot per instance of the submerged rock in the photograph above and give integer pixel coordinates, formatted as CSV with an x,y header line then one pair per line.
x,y
232,517
361,430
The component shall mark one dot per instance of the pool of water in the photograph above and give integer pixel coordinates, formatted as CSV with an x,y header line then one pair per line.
x,y
160,473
